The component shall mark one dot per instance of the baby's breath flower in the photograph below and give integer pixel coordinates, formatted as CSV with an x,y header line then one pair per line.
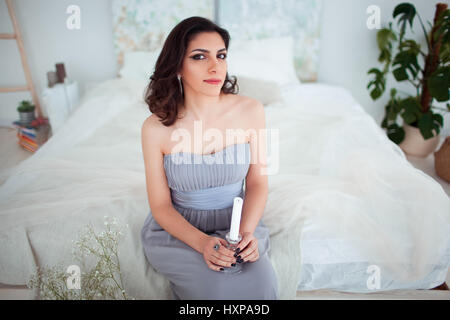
x,y
102,281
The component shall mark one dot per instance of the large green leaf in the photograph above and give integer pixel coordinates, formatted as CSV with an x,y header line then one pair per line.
x,y
405,60
400,74
411,109
426,125
439,83
384,40
385,56
444,53
378,83
411,46
395,133
429,121
409,117
391,113
407,12
439,119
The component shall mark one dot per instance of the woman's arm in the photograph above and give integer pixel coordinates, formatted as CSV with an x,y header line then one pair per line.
x,y
256,187
175,224
158,191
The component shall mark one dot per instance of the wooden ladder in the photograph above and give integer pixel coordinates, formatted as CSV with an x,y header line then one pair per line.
x,y
18,37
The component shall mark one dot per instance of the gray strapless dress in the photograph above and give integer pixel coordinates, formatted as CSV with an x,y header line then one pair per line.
x,y
202,189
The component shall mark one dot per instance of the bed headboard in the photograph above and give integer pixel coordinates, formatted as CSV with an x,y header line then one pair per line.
x,y
143,25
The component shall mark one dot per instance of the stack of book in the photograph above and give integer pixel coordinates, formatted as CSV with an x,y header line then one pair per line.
x,y
33,135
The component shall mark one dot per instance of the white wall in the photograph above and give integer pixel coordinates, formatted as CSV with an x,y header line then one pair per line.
x,y
87,53
348,48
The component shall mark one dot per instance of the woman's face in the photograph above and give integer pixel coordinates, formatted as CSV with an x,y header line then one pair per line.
x,y
205,59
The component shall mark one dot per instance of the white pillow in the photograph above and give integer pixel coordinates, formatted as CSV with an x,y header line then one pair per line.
x,y
267,92
139,65
268,59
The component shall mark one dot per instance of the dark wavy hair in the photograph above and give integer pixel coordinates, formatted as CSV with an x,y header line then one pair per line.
x,y
163,95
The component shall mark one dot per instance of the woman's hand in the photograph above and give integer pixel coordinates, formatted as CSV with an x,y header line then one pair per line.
x,y
248,248
217,259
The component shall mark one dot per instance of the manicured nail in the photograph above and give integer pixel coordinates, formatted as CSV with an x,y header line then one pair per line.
x,y
239,257
238,250
221,269
233,264
235,255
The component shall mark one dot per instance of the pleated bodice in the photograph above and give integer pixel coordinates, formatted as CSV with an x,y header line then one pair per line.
x,y
208,181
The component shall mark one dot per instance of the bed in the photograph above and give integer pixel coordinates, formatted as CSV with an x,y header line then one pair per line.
x,y
346,210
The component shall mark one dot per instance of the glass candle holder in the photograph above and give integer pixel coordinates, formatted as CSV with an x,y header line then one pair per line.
x,y
232,245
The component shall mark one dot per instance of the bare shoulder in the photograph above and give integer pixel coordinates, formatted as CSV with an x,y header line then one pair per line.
x,y
249,103
153,132
152,125
252,108
153,120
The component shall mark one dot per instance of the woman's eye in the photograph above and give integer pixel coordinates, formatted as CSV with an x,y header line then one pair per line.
x,y
197,56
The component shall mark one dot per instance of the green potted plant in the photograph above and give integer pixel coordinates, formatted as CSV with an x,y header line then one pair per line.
x,y
26,112
430,78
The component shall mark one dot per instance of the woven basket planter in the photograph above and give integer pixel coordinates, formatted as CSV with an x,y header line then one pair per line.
x,y
442,160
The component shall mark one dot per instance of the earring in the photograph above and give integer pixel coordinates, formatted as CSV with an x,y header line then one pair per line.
x,y
181,86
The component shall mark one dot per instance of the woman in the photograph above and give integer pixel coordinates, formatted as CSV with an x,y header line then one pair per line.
x,y
191,201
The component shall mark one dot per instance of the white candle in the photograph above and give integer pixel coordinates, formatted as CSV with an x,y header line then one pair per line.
x,y
236,218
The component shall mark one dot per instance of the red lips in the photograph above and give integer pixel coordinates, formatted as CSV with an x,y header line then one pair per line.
x,y
212,80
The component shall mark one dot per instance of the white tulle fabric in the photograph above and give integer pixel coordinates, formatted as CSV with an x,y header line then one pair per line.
x,y
337,170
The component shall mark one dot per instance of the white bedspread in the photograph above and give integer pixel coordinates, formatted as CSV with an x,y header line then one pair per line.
x,y
338,172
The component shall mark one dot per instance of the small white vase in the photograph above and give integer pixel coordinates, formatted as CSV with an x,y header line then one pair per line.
x,y
415,145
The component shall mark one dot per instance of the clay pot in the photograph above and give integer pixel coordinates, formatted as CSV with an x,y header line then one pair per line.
x,y
415,145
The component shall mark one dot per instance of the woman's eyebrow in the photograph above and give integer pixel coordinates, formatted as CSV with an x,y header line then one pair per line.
x,y
204,50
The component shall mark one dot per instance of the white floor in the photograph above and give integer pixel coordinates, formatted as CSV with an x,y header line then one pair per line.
x,y
11,154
